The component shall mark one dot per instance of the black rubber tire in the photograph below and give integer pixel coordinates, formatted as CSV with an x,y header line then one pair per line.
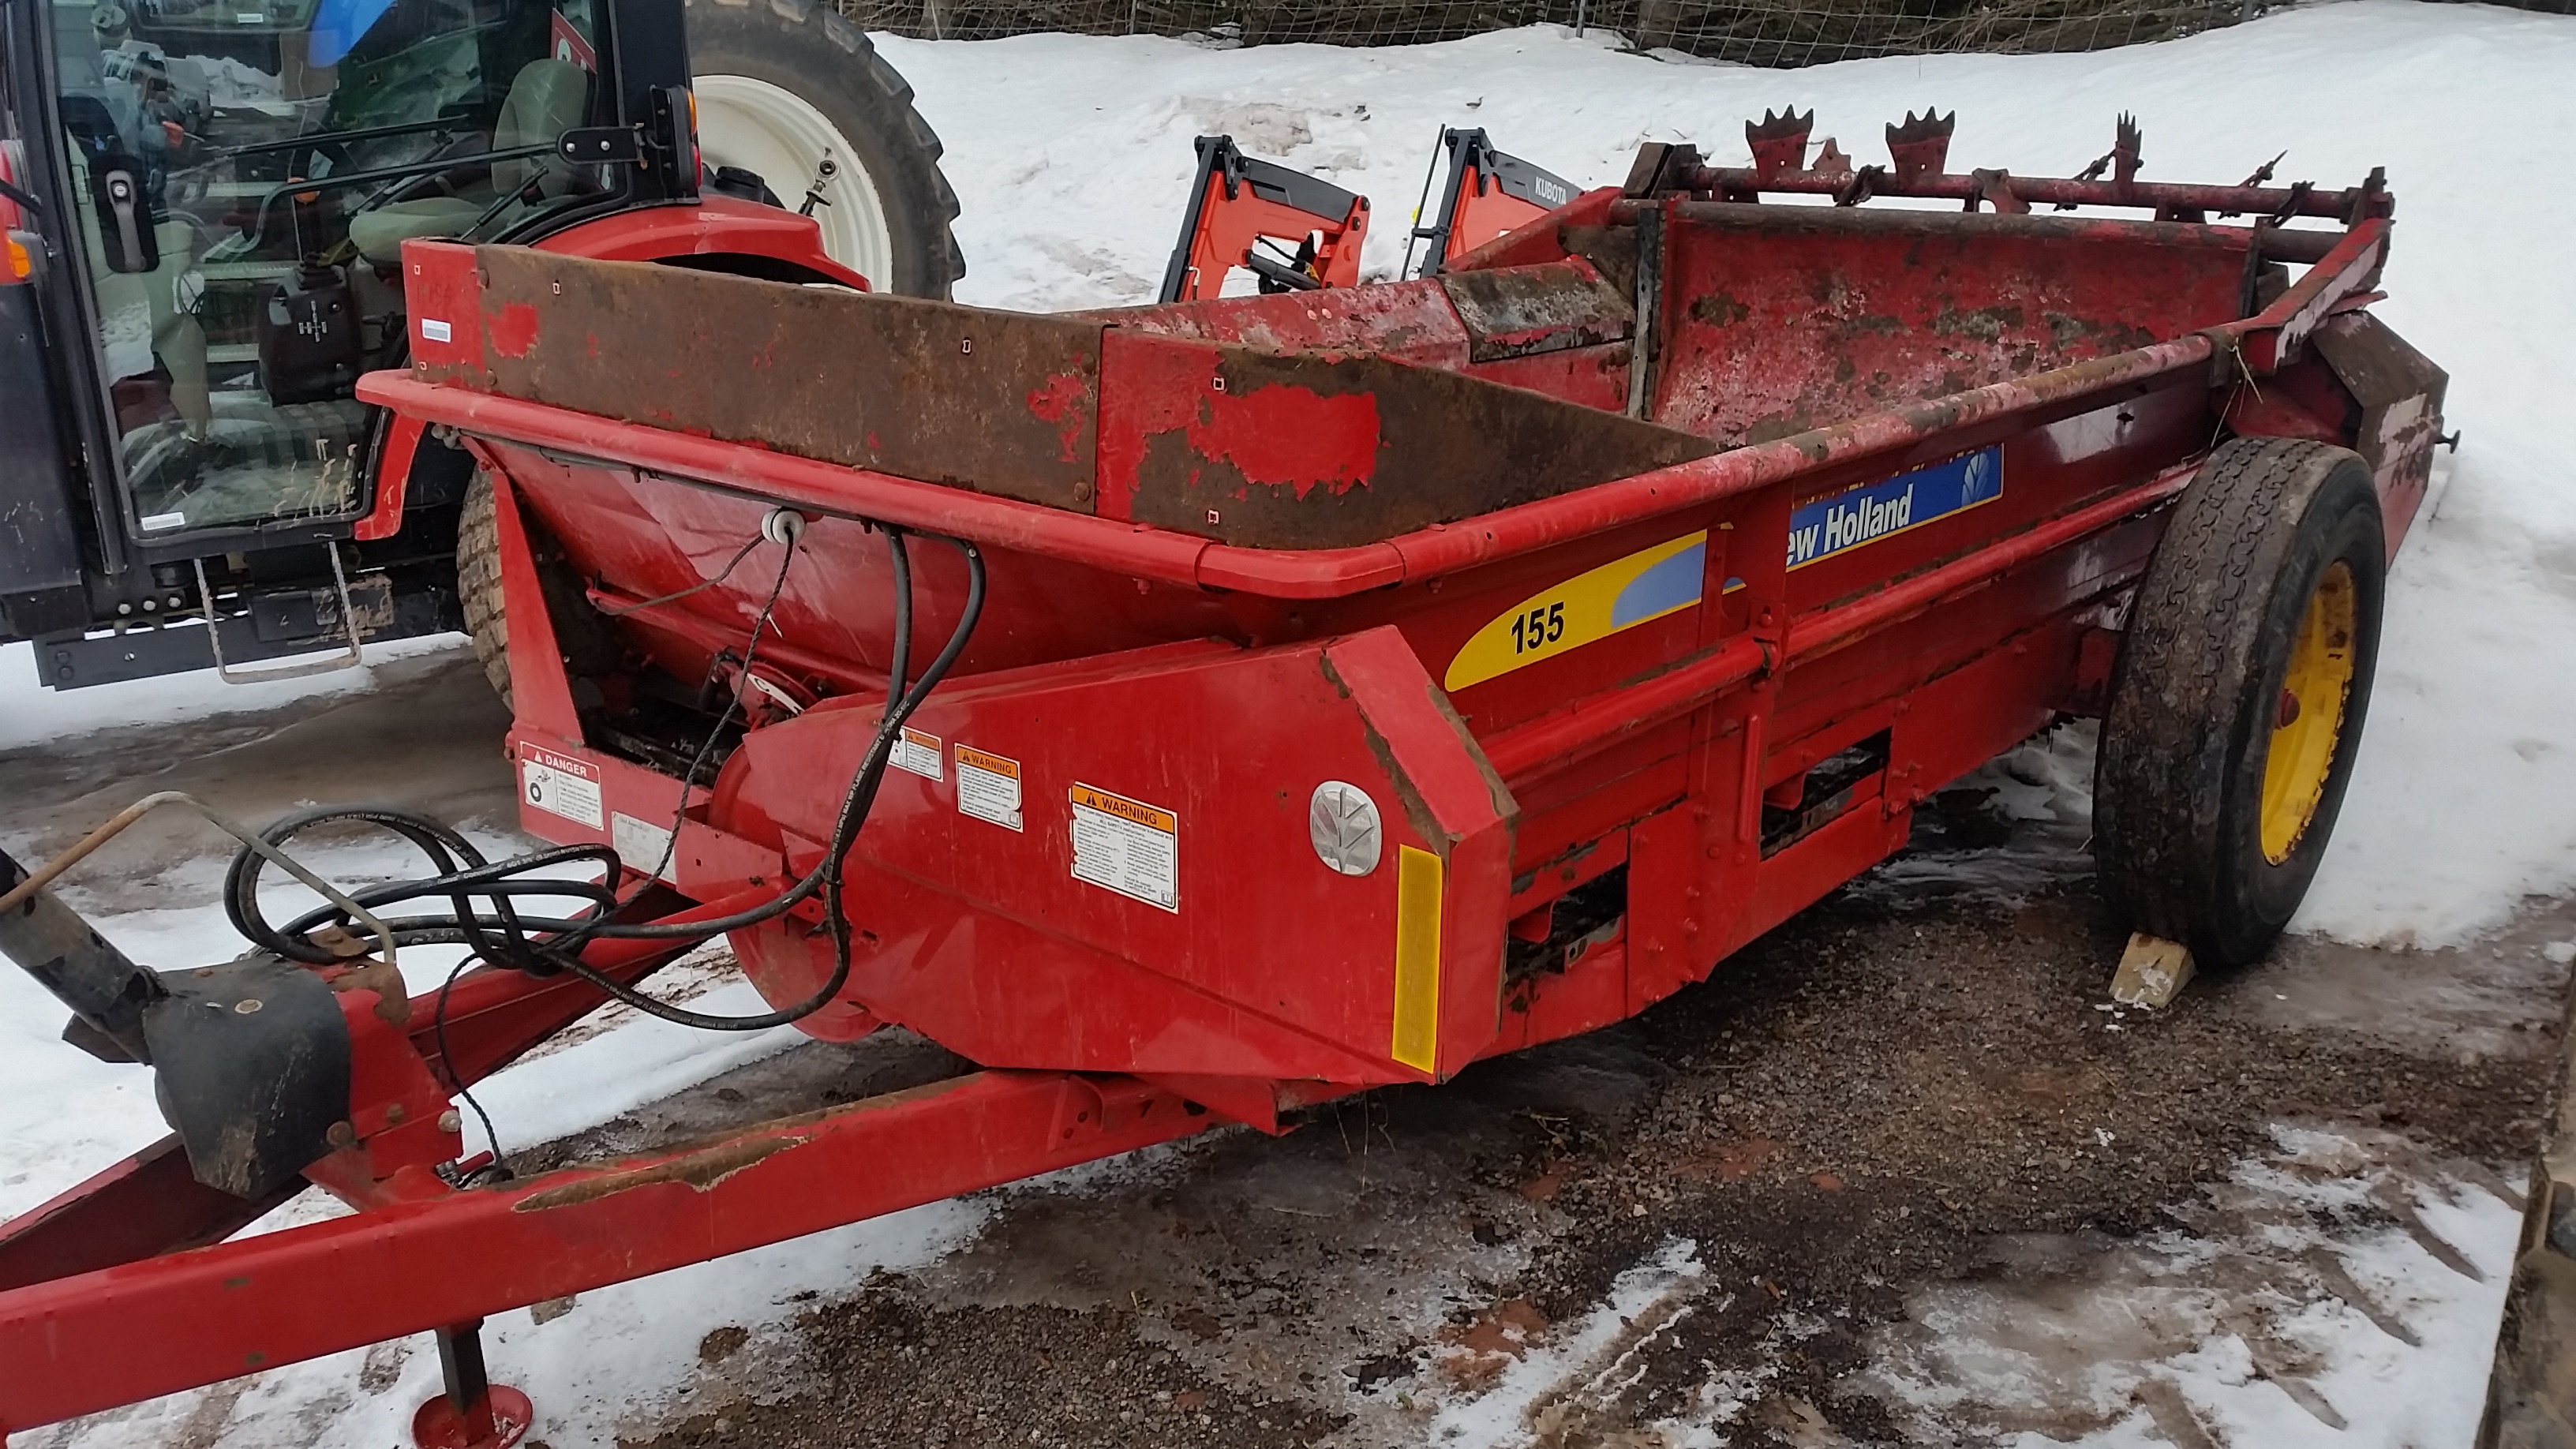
x,y
588,647
809,50
2178,782
478,583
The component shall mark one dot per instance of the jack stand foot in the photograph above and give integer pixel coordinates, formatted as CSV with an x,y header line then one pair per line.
x,y
2152,971
474,1413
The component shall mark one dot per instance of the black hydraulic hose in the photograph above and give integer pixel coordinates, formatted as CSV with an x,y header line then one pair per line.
x,y
462,874
899,667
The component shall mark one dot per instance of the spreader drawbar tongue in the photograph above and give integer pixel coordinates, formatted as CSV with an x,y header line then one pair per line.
x,y
251,1057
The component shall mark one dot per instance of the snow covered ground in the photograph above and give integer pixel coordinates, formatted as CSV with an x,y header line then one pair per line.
x,y
1071,157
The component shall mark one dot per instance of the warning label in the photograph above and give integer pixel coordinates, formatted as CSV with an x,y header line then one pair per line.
x,y
1127,846
988,787
917,751
561,786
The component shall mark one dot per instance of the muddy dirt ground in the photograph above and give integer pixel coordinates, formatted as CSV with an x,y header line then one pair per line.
x,y
1909,1084
1917,1088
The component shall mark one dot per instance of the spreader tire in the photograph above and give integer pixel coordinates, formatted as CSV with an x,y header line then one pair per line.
x,y
478,582
779,83
2237,701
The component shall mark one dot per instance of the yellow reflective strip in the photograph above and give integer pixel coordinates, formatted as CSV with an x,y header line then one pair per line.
x,y
1417,958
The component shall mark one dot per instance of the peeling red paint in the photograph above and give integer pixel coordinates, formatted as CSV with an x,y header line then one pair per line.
x,y
1060,403
1148,386
1291,437
1278,436
514,330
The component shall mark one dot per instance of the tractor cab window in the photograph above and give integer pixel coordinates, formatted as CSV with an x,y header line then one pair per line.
x,y
247,171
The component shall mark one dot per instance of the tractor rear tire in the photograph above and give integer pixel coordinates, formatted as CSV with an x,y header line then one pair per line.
x,y
478,582
2238,698
781,83
583,640
779,78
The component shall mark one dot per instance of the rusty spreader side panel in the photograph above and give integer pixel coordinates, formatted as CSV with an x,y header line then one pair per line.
x,y
1780,319
1524,311
1408,321
999,402
1262,450
2400,392
1453,321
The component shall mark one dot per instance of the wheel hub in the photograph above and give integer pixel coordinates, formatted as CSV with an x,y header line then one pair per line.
x,y
2308,721
765,128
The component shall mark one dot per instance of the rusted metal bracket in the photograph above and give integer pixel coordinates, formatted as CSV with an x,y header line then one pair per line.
x,y
1920,146
1779,141
1642,351
1995,189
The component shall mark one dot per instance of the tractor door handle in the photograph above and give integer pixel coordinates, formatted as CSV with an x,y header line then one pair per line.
x,y
127,221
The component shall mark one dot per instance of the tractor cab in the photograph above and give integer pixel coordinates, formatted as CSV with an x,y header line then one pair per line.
x,y
206,202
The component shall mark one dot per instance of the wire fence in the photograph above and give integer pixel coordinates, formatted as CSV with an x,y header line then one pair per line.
x,y
1747,32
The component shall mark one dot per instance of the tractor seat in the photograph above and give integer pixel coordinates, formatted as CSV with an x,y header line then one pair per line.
x,y
547,98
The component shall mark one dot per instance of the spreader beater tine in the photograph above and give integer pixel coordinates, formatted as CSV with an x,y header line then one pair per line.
x,y
2125,150
2263,172
1830,160
1921,146
1779,141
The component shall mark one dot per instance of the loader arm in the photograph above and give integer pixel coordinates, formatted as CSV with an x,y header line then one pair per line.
x,y
1236,201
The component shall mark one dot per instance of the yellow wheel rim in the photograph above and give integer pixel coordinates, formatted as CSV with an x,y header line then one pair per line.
x,y
2307,719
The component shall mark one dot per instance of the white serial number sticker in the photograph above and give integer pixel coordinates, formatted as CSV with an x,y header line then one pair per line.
x,y
433,330
1127,846
988,787
559,786
644,846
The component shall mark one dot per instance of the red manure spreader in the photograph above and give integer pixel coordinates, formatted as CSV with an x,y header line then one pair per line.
x,y
1192,713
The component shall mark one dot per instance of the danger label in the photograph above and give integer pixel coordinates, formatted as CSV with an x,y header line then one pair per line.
x,y
560,785
988,787
917,751
1127,846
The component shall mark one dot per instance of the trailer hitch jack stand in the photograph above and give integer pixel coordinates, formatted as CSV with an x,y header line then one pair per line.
x,y
474,1412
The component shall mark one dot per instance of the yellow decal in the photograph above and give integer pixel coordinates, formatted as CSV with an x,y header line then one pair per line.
x,y
1592,605
1417,958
